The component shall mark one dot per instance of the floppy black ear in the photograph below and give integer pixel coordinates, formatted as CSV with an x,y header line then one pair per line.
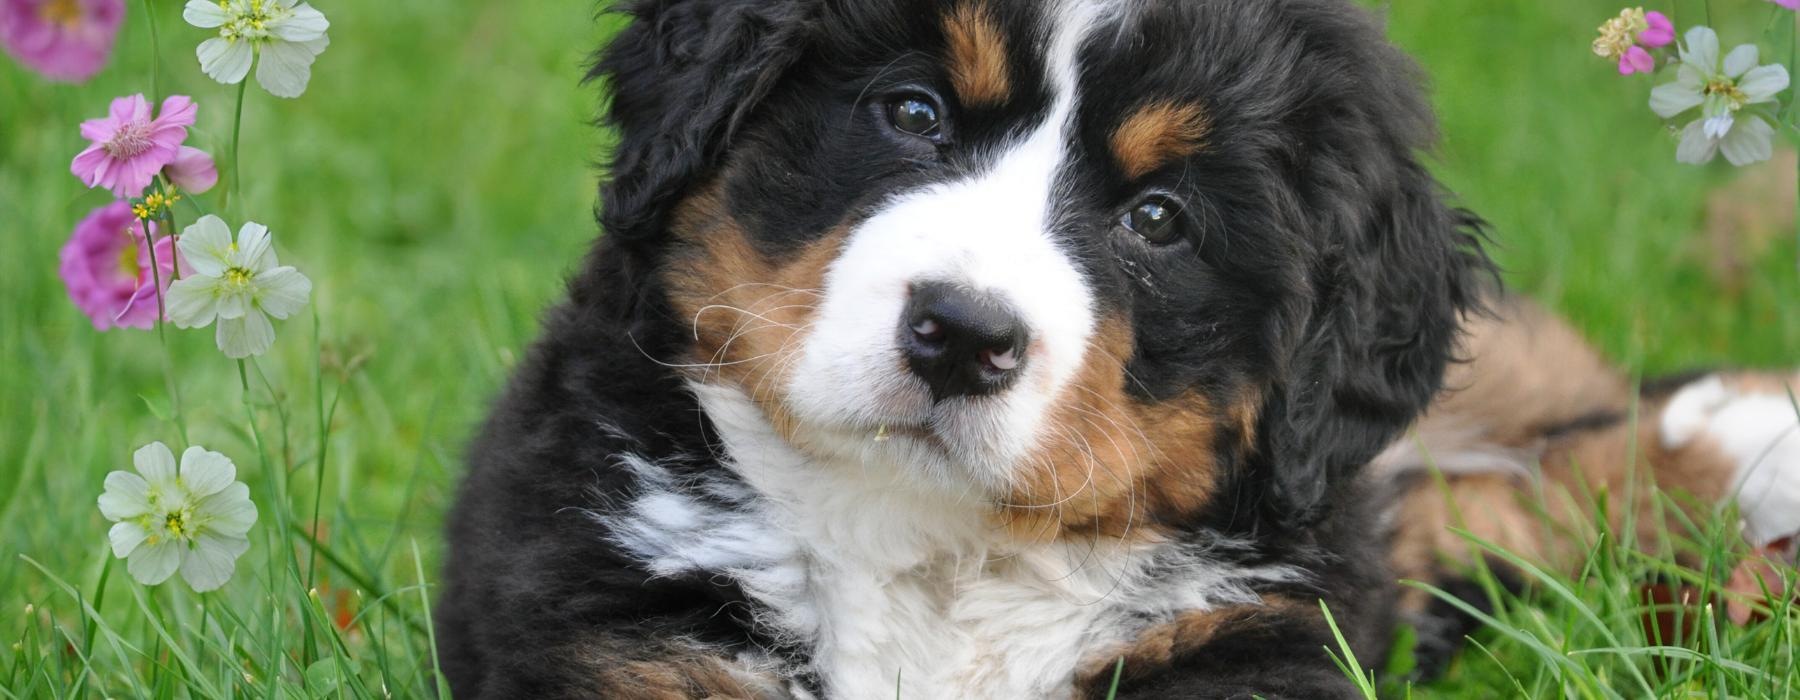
x,y
1368,359
682,76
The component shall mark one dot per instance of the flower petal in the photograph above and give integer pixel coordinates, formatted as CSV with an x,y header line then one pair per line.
x,y
156,463
306,24
127,495
206,245
242,337
282,291
1740,61
229,512
1702,50
285,69
1751,141
210,563
193,301
152,564
125,538
1670,99
177,111
225,60
193,171
205,472
204,14
255,249
1696,147
1762,83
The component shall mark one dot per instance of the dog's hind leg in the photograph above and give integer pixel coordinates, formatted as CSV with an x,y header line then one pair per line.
x,y
1535,431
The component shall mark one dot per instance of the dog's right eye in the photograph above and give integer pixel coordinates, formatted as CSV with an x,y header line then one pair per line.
x,y
916,115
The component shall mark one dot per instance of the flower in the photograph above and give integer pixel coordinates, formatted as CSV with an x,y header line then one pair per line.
x,y
1721,91
1789,4
106,268
193,519
238,284
288,36
129,147
67,40
192,170
1625,38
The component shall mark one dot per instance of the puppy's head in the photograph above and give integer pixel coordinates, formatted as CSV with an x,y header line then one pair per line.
x,y
1096,260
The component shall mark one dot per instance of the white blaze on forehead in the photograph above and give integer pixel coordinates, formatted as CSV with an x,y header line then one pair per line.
x,y
991,232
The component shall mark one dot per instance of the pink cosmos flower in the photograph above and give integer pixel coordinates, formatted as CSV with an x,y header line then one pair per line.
x,y
106,268
1789,4
1628,38
66,40
193,171
129,147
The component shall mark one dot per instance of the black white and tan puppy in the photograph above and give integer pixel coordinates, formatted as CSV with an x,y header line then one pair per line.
x,y
962,348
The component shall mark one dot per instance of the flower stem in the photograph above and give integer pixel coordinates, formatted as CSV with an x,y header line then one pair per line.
x,y
237,131
155,86
162,321
323,450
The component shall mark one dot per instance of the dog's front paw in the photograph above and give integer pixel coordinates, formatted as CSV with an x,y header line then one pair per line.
x,y
1753,421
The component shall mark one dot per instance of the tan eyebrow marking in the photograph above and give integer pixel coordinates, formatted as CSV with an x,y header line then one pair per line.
x,y
1158,133
977,56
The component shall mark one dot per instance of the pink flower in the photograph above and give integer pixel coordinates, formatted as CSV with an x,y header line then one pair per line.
x,y
106,267
193,171
1789,4
67,40
1636,60
129,147
1662,31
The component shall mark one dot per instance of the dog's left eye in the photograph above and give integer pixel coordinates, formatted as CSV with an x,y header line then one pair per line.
x,y
1154,219
916,115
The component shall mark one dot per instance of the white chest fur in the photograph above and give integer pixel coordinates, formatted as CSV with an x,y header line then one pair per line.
x,y
897,586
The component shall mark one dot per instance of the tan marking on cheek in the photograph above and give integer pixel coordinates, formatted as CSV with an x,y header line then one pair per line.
x,y
1109,464
749,315
977,56
1157,134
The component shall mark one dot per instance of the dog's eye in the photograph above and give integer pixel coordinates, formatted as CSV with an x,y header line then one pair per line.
x,y
1154,219
916,115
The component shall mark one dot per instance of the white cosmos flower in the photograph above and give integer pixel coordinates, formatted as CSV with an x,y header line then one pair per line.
x,y
1721,90
192,519
238,284
288,36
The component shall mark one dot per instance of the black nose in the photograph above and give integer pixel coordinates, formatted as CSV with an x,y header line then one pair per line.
x,y
961,342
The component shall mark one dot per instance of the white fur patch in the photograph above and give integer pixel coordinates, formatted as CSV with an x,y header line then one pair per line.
x,y
990,232
899,584
1760,433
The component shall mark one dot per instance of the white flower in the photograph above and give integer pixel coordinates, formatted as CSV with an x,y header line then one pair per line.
x,y
1721,92
288,36
193,519
238,284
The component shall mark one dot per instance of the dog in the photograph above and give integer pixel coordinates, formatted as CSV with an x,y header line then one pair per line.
x,y
1003,349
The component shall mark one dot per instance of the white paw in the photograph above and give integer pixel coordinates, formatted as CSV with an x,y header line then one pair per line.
x,y
1759,431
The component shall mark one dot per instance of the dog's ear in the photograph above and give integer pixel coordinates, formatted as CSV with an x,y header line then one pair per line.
x,y
1387,304
682,76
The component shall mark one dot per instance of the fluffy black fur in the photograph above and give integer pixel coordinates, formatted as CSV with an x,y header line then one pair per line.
x,y
1320,269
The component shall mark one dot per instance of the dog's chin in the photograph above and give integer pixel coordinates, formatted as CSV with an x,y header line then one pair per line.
x,y
957,444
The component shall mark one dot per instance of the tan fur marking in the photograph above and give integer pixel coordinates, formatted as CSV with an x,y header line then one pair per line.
x,y
1163,644
977,56
1110,463
748,313
1157,134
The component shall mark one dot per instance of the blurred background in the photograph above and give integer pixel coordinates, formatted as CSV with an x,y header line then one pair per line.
x,y
437,182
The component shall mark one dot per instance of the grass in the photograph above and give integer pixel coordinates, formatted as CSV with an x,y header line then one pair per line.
x,y
436,182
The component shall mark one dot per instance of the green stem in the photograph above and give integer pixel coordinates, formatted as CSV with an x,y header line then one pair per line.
x,y
237,131
323,450
162,333
155,85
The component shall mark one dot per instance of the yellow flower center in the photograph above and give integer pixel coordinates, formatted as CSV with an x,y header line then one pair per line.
x,y
1619,33
64,12
177,524
238,277
1727,88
